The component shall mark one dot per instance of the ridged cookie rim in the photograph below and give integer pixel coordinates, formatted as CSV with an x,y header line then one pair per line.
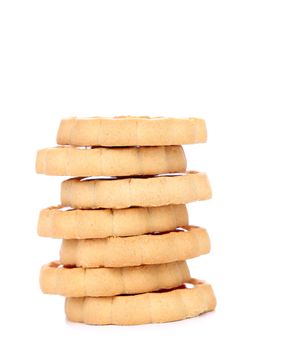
x,y
104,281
101,223
149,191
153,307
131,131
189,242
106,161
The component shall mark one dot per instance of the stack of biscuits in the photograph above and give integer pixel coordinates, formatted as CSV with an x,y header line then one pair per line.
x,y
123,220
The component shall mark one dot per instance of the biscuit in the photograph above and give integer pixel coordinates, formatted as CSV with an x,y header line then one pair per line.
x,y
88,193
60,222
103,281
137,250
101,161
131,131
155,307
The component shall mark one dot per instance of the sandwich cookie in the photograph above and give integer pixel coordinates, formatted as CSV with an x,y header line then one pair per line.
x,y
185,243
119,161
155,307
104,281
151,191
131,131
63,222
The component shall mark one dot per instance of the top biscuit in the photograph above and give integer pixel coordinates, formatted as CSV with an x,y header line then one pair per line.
x,y
131,131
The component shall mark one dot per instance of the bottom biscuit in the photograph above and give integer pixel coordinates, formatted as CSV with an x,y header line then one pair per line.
x,y
155,307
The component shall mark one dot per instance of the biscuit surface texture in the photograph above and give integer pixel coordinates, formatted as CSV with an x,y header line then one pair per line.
x,y
118,161
96,282
137,250
153,191
155,307
60,222
131,131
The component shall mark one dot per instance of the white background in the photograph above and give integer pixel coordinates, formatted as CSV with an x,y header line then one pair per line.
x,y
230,62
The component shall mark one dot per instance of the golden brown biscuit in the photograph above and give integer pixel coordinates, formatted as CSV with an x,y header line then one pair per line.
x,y
103,281
155,307
116,193
137,250
119,161
60,222
131,131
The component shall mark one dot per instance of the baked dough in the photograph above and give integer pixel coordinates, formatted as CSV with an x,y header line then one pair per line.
x,y
101,161
155,307
146,249
131,131
103,281
116,193
60,222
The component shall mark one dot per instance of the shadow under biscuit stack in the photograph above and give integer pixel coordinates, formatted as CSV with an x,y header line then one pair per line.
x,y
123,220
